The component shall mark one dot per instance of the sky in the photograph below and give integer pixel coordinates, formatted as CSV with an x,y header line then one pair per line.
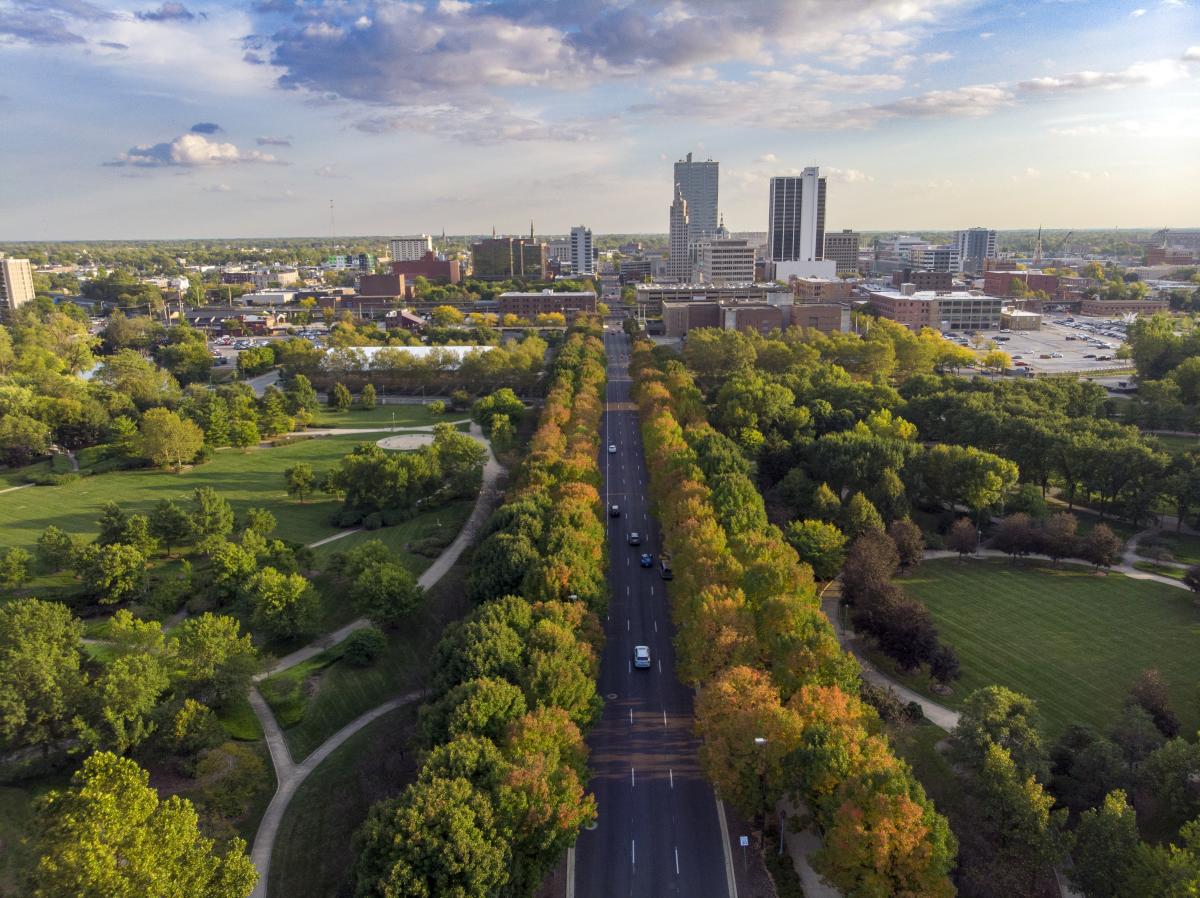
x,y
182,118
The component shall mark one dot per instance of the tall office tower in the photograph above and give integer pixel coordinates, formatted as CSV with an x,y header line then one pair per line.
x,y
697,182
679,265
975,246
581,250
410,249
16,285
843,249
796,228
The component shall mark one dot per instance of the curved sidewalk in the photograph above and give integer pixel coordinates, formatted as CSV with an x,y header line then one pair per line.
x,y
289,775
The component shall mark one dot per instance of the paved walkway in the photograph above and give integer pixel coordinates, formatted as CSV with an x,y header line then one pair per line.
x,y
290,775
1125,567
801,846
13,489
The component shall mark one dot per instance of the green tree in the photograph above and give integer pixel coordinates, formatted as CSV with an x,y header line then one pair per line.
x,y
826,505
272,413
501,402
15,568
137,533
110,574
259,520
822,546
367,398
215,659
171,524
1106,849
110,835
301,395
212,515
168,439
126,695
300,480
386,593
243,434
54,549
340,398
230,568
859,516
284,605
995,715
112,523
440,838
22,439
41,678
446,316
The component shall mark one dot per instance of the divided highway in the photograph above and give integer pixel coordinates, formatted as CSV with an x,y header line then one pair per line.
x,y
660,829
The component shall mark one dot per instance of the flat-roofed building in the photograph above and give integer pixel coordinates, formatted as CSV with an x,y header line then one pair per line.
x,y
827,317
949,309
724,260
650,297
430,267
821,290
505,258
1111,308
409,249
386,285
841,247
753,316
1020,320
16,285
530,305
923,280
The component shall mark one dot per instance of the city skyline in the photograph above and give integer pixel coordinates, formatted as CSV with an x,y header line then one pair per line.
x,y
221,118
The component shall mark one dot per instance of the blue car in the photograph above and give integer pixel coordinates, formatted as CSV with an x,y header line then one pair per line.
x,y
647,560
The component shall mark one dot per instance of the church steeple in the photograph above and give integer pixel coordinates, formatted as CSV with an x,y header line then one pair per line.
x,y
531,229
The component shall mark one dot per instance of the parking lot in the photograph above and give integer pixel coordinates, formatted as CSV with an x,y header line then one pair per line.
x,y
1063,345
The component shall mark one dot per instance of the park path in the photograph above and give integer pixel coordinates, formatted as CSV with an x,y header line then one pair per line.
x,y
13,489
288,774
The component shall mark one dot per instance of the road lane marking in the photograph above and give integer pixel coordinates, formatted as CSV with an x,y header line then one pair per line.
x,y
655,621
664,716
660,665
677,860
631,716
626,625
571,872
730,878
632,779
651,590
633,852
671,775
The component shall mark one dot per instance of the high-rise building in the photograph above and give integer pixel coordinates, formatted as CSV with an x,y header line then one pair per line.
x,y
410,249
725,261
943,257
581,251
974,246
697,182
679,264
16,285
842,248
796,225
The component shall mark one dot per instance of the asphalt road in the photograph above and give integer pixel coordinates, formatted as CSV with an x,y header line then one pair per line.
x,y
659,831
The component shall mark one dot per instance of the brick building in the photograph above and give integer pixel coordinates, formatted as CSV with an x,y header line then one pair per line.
x,y
530,305
1109,308
923,280
430,267
391,286
810,290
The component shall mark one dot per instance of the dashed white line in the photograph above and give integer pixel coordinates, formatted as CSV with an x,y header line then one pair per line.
x,y
677,861
664,716
633,852
626,625
660,665
671,776
631,716
632,778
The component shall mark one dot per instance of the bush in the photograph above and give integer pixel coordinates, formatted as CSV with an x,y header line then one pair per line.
x,y
373,521
363,646
394,516
437,407
346,517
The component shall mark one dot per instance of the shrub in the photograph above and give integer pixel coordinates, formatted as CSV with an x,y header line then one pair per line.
x,y
363,646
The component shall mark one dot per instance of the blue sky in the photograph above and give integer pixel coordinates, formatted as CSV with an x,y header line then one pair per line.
x,y
188,118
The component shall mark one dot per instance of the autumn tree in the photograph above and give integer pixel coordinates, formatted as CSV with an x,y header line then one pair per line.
x,y
167,439
963,537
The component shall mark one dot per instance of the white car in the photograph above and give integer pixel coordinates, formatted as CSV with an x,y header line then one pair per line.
x,y
612,448
641,656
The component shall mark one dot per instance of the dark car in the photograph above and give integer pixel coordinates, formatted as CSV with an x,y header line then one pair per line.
x,y
635,539
614,511
647,560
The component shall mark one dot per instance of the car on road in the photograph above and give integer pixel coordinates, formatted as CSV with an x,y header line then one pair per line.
x,y
1056,355
641,656
614,511
635,538
1090,355
647,560
612,448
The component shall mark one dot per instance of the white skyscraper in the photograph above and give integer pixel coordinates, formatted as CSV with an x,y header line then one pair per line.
x,y
697,182
581,250
796,228
16,284
679,266
410,249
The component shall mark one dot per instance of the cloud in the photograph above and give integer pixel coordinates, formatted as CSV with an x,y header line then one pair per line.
x,y
986,35
205,128
768,157
1125,126
328,171
483,126
1030,174
170,11
217,188
846,175
49,22
1137,13
188,151
1192,54
273,141
1157,73
114,45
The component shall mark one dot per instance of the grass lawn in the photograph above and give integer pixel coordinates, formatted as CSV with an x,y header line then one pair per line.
x,y
314,854
1163,570
246,479
1176,445
407,415
1183,546
443,522
321,705
1069,639
239,721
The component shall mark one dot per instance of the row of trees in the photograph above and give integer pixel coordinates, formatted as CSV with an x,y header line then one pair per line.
x,y
500,794
753,638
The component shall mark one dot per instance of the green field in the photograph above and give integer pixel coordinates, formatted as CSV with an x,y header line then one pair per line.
x,y
407,415
324,695
244,478
443,522
314,852
1070,639
1184,547
1176,445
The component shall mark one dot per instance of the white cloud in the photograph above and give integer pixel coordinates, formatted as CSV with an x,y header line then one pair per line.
x,y
189,151
1192,54
1137,13
1125,126
217,188
1156,74
846,175
768,157
986,35
1030,174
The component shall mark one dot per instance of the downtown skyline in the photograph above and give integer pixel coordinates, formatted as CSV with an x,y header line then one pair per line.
x,y
190,119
